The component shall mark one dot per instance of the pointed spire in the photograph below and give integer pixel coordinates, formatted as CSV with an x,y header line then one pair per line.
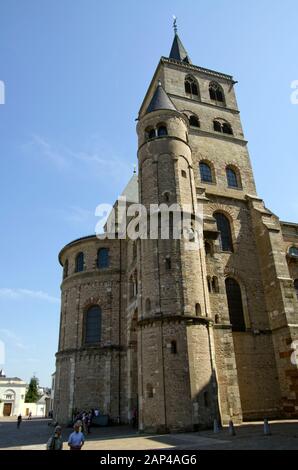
x,y
160,100
178,52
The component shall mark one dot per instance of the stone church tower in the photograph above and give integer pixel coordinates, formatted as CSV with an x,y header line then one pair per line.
x,y
184,334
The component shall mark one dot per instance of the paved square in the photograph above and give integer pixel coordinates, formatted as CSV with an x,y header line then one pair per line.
x,y
34,434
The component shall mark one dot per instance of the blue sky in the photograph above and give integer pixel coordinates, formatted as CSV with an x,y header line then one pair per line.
x,y
75,73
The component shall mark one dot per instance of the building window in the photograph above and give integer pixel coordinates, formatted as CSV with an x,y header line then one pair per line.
x,y
148,305
103,260
296,286
65,269
162,131
194,121
198,310
216,92
93,325
235,305
183,174
232,178
166,196
168,263
224,228
293,251
227,128
223,127
8,397
215,286
79,265
208,248
217,126
205,172
173,347
149,390
150,133
191,87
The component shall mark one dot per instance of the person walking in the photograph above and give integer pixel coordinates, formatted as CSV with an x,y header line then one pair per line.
x,y
55,442
76,439
19,420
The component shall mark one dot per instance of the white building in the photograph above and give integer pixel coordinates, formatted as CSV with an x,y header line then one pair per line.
x,y
12,395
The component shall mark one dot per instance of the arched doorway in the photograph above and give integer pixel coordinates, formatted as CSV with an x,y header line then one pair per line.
x,y
9,400
132,360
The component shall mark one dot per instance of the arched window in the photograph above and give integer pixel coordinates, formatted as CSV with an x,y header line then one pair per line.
x,y
168,262
223,127
232,178
198,310
217,126
235,305
148,305
191,87
227,128
150,133
103,258
293,251
296,286
205,172
79,265
194,121
93,325
209,284
224,228
166,196
216,92
161,131
65,269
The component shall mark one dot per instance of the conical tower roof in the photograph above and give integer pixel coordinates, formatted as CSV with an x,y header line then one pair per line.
x,y
160,100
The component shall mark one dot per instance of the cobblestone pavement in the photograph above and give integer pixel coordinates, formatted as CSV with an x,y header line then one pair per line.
x,y
34,434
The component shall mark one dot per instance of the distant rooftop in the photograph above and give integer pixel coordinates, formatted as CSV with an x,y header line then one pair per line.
x,y
14,379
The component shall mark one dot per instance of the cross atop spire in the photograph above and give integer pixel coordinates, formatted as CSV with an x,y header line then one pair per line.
x,y
175,24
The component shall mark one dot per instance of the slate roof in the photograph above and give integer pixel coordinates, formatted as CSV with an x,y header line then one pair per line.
x,y
178,52
160,100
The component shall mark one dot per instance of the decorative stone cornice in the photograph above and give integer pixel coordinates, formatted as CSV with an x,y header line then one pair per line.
x,y
188,319
196,68
218,135
204,103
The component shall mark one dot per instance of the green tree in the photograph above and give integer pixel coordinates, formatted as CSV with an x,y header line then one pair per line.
x,y
32,394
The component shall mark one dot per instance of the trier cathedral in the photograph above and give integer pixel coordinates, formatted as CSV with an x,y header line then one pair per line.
x,y
185,336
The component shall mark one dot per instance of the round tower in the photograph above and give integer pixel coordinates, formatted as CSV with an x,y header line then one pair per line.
x,y
176,373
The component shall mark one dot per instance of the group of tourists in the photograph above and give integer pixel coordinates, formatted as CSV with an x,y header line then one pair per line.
x,y
76,439
86,417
